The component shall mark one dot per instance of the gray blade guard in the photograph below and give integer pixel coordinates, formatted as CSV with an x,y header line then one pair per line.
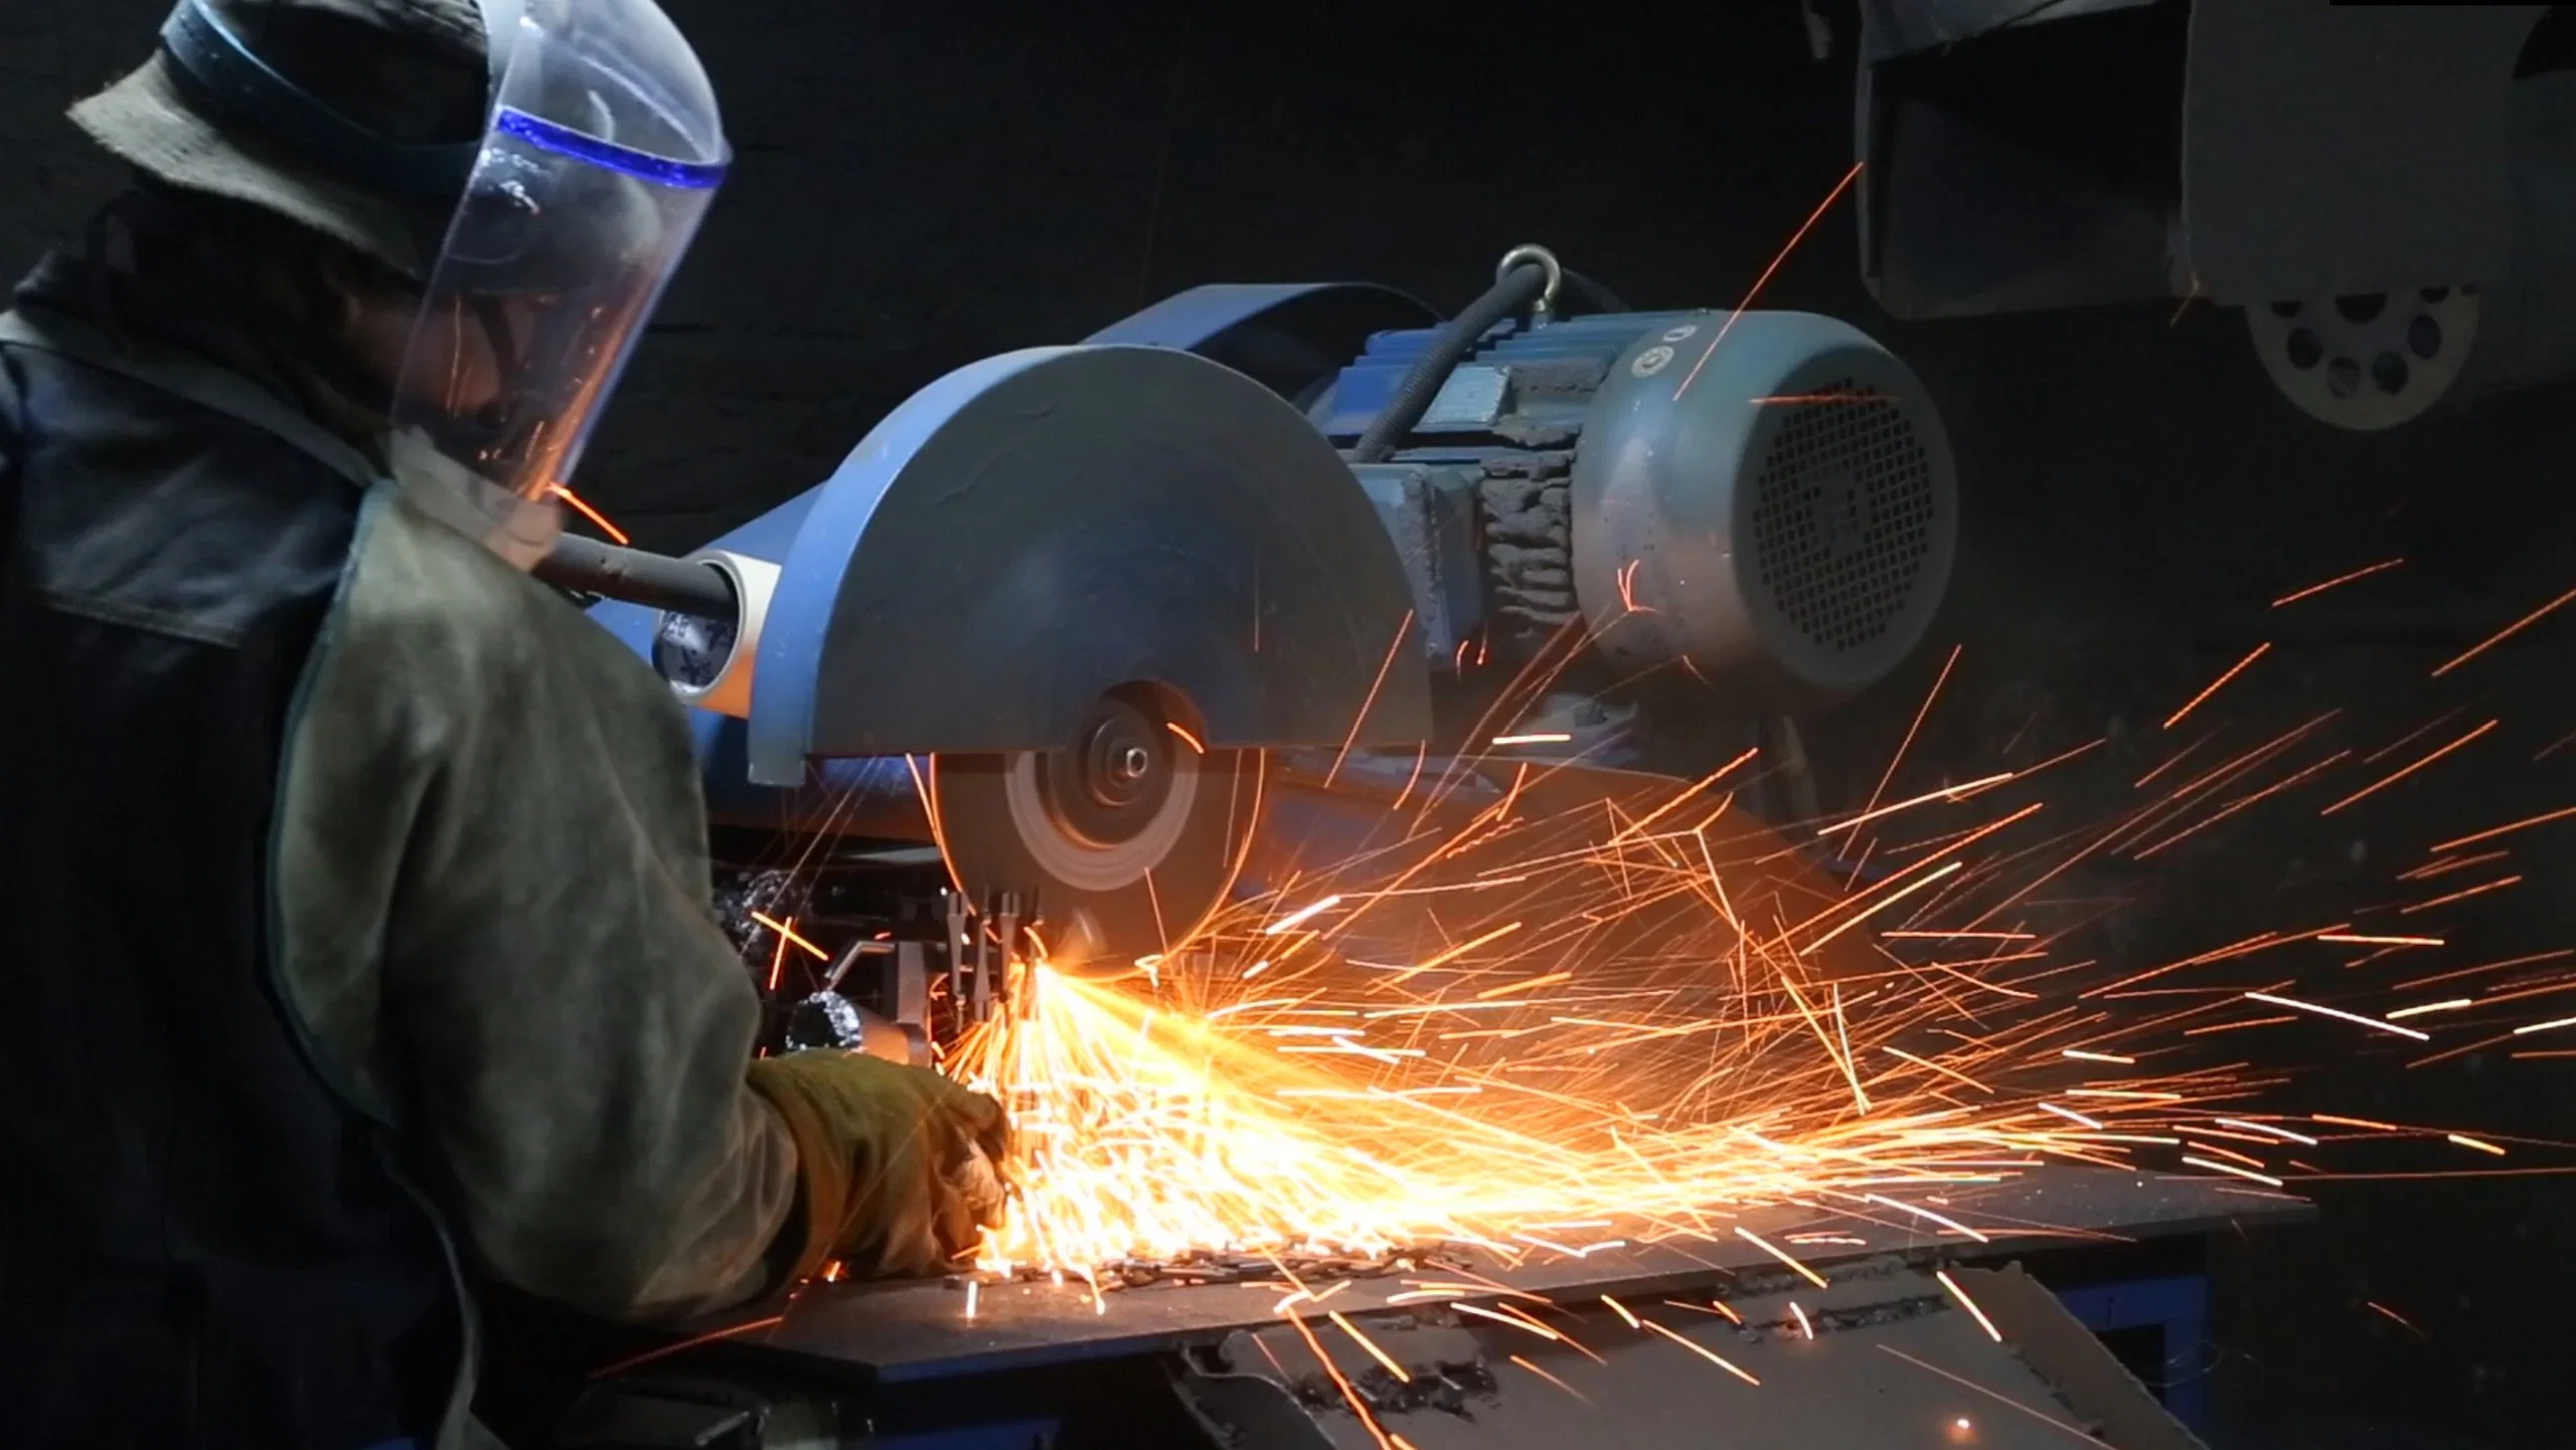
x,y
1037,528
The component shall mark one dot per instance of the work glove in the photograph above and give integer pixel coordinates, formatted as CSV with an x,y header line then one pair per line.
x,y
901,1166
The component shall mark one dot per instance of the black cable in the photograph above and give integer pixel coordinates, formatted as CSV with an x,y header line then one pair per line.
x,y
1515,290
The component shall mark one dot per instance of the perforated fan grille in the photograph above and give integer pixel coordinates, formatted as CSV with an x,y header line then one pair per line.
x,y
1843,517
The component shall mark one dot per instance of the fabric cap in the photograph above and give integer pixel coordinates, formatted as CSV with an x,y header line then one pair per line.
x,y
412,71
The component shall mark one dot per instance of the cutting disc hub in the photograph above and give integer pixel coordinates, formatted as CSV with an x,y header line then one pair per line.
x,y
1105,811
1124,839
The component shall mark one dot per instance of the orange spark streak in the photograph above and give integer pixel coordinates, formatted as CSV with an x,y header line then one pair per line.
x,y
1364,1342
2448,864
1298,918
1531,1326
2480,890
1326,1359
2341,938
787,932
2480,1144
1759,282
2232,807
1800,1315
2525,823
2534,959
1703,1351
2082,1056
2315,589
2386,781
2217,1167
1912,730
2411,736
1530,985
1969,1304
1394,647
2233,1026
668,1350
1551,1379
2375,1305
1454,953
1965,1383
1766,1246
2233,671
1621,1310
1949,793
1196,745
1948,1223
2270,1129
2298,1006
2506,633
615,534
2173,760
2453,1005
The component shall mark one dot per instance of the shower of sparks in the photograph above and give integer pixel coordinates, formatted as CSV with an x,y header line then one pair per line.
x,y
1545,1013
1547,1030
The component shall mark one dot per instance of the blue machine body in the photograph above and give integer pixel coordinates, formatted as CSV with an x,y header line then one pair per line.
x,y
1543,430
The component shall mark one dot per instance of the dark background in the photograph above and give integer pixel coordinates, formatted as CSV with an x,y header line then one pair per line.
x,y
919,186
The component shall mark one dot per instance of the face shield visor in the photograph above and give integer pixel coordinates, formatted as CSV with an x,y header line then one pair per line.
x,y
603,152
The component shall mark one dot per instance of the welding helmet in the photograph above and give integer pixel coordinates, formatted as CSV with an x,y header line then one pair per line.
x,y
602,151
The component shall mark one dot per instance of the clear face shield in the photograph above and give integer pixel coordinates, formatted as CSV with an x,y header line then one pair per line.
x,y
603,152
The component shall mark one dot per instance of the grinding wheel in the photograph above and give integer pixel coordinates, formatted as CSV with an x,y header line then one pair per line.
x,y
1121,841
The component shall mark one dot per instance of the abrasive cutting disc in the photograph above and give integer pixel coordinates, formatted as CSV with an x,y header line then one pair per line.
x,y
1119,844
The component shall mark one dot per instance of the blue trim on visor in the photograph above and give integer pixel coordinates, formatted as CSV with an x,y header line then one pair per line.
x,y
644,166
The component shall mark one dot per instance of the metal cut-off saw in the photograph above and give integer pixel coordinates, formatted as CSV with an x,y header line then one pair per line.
x,y
1081,617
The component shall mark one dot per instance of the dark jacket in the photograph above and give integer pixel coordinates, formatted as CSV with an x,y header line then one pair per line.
x,y
353,921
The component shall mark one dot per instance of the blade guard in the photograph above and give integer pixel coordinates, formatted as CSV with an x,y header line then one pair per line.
x,y
1039,527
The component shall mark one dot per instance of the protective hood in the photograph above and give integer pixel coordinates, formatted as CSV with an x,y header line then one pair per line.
x,y
603,149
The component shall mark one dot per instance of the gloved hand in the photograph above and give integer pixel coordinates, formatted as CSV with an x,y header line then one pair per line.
x,y
901,1166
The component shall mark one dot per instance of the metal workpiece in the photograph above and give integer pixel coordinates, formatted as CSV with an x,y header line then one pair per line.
x,y
1888,1356
893,1333
1765,498
1640,1345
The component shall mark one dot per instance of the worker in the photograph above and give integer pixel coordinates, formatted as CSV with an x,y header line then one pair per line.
x,y
355,929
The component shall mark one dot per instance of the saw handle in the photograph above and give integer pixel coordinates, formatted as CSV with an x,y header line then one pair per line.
x,y
656,581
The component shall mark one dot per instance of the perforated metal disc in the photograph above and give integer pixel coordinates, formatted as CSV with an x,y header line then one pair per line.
x,y
2369,361
1847,518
